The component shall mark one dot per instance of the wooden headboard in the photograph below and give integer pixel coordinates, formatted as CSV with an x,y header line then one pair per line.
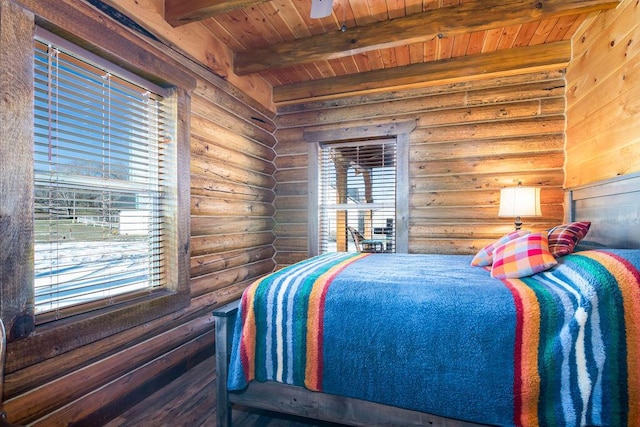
x,y
612,206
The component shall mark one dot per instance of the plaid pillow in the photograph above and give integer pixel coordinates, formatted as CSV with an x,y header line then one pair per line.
x,y
522,257
564,238
485,255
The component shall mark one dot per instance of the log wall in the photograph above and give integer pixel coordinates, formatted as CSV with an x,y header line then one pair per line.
x,y
471,140
231,193
603,98
231,241
248,194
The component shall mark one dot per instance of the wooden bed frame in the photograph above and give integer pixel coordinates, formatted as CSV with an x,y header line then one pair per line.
x,y
612,206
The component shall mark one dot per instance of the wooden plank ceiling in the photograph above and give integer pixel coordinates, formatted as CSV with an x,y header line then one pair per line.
x,y
372,45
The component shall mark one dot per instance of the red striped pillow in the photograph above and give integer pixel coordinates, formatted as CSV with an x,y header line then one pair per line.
x,y
522,257
564,238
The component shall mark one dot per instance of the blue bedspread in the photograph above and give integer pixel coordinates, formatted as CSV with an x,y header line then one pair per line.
x,y
430,333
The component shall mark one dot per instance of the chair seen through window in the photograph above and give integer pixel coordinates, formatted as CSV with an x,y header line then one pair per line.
x,y
365,245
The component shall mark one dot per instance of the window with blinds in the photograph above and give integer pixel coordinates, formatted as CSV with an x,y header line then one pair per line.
x,y
98,182
357,189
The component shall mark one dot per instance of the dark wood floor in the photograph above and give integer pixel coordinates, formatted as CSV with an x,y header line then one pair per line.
x,y
190,400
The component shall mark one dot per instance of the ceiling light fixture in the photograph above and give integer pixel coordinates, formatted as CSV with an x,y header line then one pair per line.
x,y
321,8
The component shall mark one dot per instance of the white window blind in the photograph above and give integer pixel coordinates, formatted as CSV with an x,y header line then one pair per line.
x,y
98,183
357,189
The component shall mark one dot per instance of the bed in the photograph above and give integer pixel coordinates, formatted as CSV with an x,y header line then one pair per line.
x,y
404,339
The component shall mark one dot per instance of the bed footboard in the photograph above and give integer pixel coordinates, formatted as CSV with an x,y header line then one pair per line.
x,y
225,318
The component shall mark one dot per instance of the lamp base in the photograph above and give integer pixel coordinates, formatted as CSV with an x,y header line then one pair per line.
x,y
518,223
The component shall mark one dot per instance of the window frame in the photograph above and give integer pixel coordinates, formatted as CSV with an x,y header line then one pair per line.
x,y
94,64
315,137
353,213
121,47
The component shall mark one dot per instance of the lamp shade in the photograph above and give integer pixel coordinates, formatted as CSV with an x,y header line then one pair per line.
x,y
520,201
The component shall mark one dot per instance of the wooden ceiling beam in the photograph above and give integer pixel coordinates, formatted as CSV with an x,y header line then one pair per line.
x,y
473,67
180,12
479,15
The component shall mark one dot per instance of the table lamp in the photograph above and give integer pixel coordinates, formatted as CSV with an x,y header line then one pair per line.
x,y
519,201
